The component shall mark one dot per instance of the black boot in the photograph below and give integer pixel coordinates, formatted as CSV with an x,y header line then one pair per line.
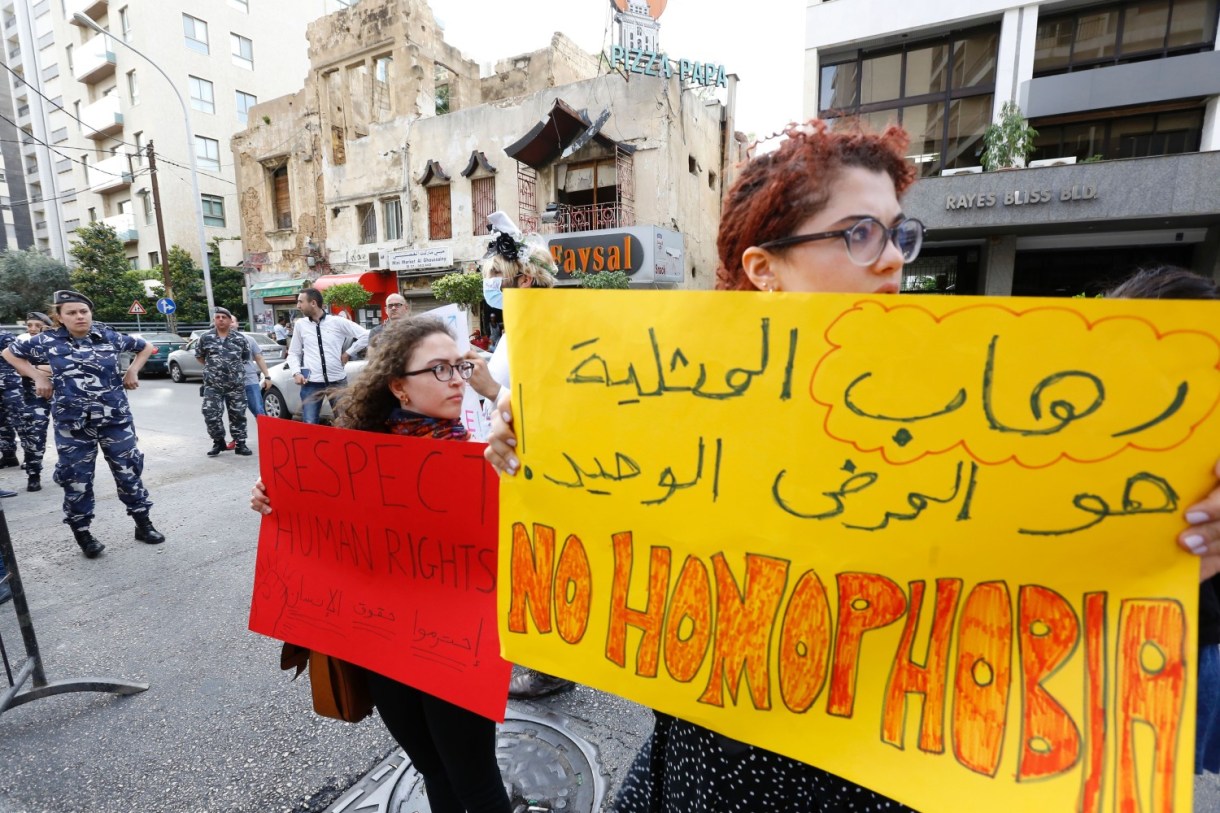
x,y
9,460
242,449
88,545
218,446
145,532
35,483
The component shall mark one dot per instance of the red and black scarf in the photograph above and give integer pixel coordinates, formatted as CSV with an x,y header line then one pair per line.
x,y
412,424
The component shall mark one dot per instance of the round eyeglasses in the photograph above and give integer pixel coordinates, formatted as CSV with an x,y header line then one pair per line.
x,y
866,239
444,372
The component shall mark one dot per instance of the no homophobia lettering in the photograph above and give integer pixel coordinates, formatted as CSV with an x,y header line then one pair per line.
x,y
381,550
765,634
925,543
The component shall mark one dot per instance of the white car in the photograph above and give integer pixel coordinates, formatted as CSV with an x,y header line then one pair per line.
x,y
183,365
283,398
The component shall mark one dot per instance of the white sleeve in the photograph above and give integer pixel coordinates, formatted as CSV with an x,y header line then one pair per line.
x,y
296,350
498,366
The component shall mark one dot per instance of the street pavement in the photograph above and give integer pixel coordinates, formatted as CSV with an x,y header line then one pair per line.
x,y
221,728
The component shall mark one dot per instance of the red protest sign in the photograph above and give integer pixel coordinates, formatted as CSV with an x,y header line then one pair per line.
x,y
381,551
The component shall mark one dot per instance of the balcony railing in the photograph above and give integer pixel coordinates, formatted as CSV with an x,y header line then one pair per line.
x,y
94,61
593,217
112,173
124,225
102,118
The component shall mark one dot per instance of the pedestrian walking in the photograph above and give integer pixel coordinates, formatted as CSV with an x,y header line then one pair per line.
x,y
280,332
37,410
315,354
90,411
224,352
258,378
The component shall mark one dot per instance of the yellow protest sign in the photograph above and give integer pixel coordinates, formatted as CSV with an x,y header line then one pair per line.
x,y
926,543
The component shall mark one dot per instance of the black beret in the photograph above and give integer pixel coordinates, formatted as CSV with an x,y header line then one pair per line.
x,y
224,311
64,297
38,316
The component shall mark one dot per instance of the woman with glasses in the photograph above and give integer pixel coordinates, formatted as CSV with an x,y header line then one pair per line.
x,y
412,385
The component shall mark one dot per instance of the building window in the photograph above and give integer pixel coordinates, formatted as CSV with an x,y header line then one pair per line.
x,y
243,51
280,199
440,220
382,66
84,162
196,33
125,23
154,259
149,213
68,58
1127,32
92,215
391,216
1169,132
366,222
202,98
138,140
441,80
244,102
241,5
207,153
213,210
483,200
133,88
940,91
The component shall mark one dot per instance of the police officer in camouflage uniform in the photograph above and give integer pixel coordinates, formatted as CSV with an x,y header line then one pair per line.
x,y
37,411
224,351
12,409
89,410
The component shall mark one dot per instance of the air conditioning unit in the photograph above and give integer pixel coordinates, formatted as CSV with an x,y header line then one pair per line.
x,y
1054,162
375,260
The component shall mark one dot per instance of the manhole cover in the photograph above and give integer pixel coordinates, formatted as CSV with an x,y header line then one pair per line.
x,y
539,759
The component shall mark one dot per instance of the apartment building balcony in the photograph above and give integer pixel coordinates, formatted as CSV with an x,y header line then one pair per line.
x,y
564,219
90,8
95,61
124,225
102,118
110,174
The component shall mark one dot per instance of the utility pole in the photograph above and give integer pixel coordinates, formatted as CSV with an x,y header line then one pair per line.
x,y
171,319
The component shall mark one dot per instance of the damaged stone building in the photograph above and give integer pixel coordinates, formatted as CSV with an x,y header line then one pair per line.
x,y
383,168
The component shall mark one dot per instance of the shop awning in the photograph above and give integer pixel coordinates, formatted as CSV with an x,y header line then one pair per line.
x,y
280,287
371,281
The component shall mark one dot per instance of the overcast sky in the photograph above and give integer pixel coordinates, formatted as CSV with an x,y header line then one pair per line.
x,y
762,41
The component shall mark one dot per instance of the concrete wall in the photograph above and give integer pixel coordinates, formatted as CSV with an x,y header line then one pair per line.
x,y
561,64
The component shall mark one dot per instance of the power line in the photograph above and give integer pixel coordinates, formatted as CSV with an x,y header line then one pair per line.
x,y
49,100
55,150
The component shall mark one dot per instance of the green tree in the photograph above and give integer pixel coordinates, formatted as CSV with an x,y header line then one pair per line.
x,y
103,273
347,296
603,279
465,290
186,282
27,280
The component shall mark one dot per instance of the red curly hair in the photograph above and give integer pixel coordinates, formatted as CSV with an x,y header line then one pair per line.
x,y
778,191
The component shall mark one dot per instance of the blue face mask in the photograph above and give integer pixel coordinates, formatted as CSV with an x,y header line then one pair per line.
x,y
492,294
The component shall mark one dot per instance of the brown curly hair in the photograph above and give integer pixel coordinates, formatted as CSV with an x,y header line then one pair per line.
x,y
778,191
368,402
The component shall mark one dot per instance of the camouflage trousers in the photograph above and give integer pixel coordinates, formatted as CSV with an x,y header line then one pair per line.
x,y
37,419
215,401
77,446
13,417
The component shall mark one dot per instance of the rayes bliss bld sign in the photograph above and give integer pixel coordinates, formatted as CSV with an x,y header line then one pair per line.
x,y
1020,197
653,63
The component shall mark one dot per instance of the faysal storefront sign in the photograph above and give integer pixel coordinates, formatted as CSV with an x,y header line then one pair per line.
x,y
654,63
1021,197
643,253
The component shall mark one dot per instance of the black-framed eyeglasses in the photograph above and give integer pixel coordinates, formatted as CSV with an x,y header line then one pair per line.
x,y
444,372
866,239
394,305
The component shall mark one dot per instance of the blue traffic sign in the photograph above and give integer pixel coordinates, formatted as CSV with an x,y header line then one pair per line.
x,y
166,306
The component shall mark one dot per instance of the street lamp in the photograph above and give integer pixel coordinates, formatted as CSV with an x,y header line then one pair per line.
x,y
82,19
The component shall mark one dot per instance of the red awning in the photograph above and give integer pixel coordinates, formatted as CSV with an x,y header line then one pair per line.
x,y
372,281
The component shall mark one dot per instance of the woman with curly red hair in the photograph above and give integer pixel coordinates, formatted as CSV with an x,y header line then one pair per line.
x,y
819,214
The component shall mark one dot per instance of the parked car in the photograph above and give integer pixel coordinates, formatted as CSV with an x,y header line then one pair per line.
x,y
182,363
158,362
283,399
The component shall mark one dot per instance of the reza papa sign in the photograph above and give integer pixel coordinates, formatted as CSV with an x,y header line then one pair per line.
x,y
926,546
381,550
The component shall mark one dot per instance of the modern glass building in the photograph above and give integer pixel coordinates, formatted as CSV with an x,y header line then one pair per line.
x,y
1124,97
